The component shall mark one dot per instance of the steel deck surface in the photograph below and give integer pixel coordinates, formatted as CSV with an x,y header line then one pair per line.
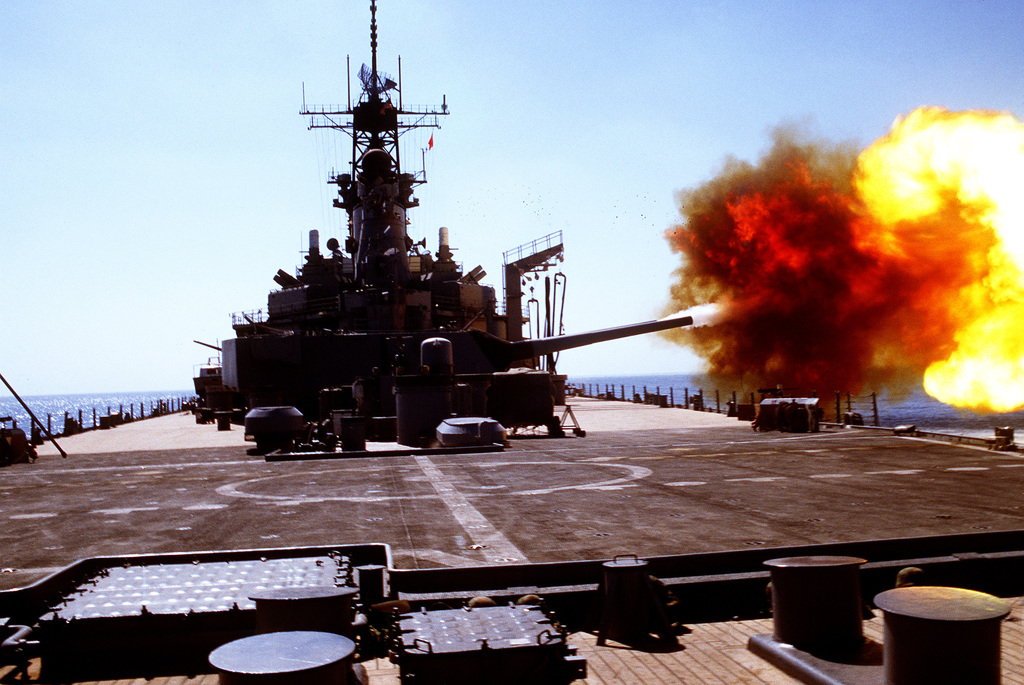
x,y
644,481
677,482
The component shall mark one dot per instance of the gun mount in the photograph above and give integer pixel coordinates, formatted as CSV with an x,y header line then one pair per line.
x,y
530,349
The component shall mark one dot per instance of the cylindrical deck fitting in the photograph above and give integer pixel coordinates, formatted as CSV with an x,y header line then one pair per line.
x,y
296,658
351,430
325,609
941,635
421,403
816,603
371,581
630,610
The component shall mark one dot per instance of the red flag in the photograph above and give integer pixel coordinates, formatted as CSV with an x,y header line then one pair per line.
x,y
430,145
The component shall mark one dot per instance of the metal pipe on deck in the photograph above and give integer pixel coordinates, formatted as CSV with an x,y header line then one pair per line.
x,y
37,421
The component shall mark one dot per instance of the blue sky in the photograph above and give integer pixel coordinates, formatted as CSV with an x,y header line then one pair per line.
x,y
156,172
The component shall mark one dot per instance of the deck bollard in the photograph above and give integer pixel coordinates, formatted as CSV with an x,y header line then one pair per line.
x,y
370,579
816,603
223,420
941,635
295,657
325,609
630,608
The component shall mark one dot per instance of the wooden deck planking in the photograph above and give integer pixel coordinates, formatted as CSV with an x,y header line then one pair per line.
x,y
711,654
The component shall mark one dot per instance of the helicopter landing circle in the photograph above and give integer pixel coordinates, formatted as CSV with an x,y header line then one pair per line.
x,y
570,476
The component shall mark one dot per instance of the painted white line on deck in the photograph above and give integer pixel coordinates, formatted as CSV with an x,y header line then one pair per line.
x,y
125,510
967,468
687,483
138,467
898,472
831,475
41,570
1009,466
762,479
204,507
496,548
46,515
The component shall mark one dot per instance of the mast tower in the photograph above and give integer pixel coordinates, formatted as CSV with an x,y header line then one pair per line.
x,y
376,193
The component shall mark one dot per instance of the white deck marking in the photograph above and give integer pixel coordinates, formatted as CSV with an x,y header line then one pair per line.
x,y
632,473
831,475
899,472
33,516
687,483
967,468
140,467
437,556
496,547
125,510
762,479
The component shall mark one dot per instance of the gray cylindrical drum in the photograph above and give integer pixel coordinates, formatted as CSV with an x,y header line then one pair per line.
x,y
941,636
421,403
816,603
296,658
326,609
624,616
371,580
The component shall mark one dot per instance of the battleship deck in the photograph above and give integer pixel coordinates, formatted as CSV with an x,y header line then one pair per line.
x,y
644,481
714,654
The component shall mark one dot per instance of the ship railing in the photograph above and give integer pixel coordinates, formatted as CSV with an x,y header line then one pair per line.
x,y
309,307
533,247
249,317
310,110
855,410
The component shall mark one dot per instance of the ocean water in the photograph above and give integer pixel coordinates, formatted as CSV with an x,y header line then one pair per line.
x,y
54,406
918,407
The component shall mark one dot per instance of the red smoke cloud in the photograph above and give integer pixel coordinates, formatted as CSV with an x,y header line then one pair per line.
x,y
817,292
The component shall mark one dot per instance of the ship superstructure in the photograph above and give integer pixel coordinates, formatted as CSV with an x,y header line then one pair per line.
x,y
360,307
345,332
382,280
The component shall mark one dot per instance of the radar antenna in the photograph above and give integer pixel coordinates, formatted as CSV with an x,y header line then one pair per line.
x,y
375,83
375,123
376,186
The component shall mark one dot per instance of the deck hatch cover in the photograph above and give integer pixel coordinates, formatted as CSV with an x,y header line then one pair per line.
x,y
201,587
503,644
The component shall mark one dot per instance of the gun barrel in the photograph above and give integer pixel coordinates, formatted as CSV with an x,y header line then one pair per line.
x,y
528,349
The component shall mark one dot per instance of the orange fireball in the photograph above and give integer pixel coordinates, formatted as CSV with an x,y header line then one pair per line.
x,y
840,270
954,180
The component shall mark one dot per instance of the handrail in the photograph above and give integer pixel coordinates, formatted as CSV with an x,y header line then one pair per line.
x,y
532,247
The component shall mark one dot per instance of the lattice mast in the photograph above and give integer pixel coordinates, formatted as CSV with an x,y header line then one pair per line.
x,y
376,193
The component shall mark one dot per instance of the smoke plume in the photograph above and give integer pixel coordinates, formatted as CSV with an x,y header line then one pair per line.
x,y
836,269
